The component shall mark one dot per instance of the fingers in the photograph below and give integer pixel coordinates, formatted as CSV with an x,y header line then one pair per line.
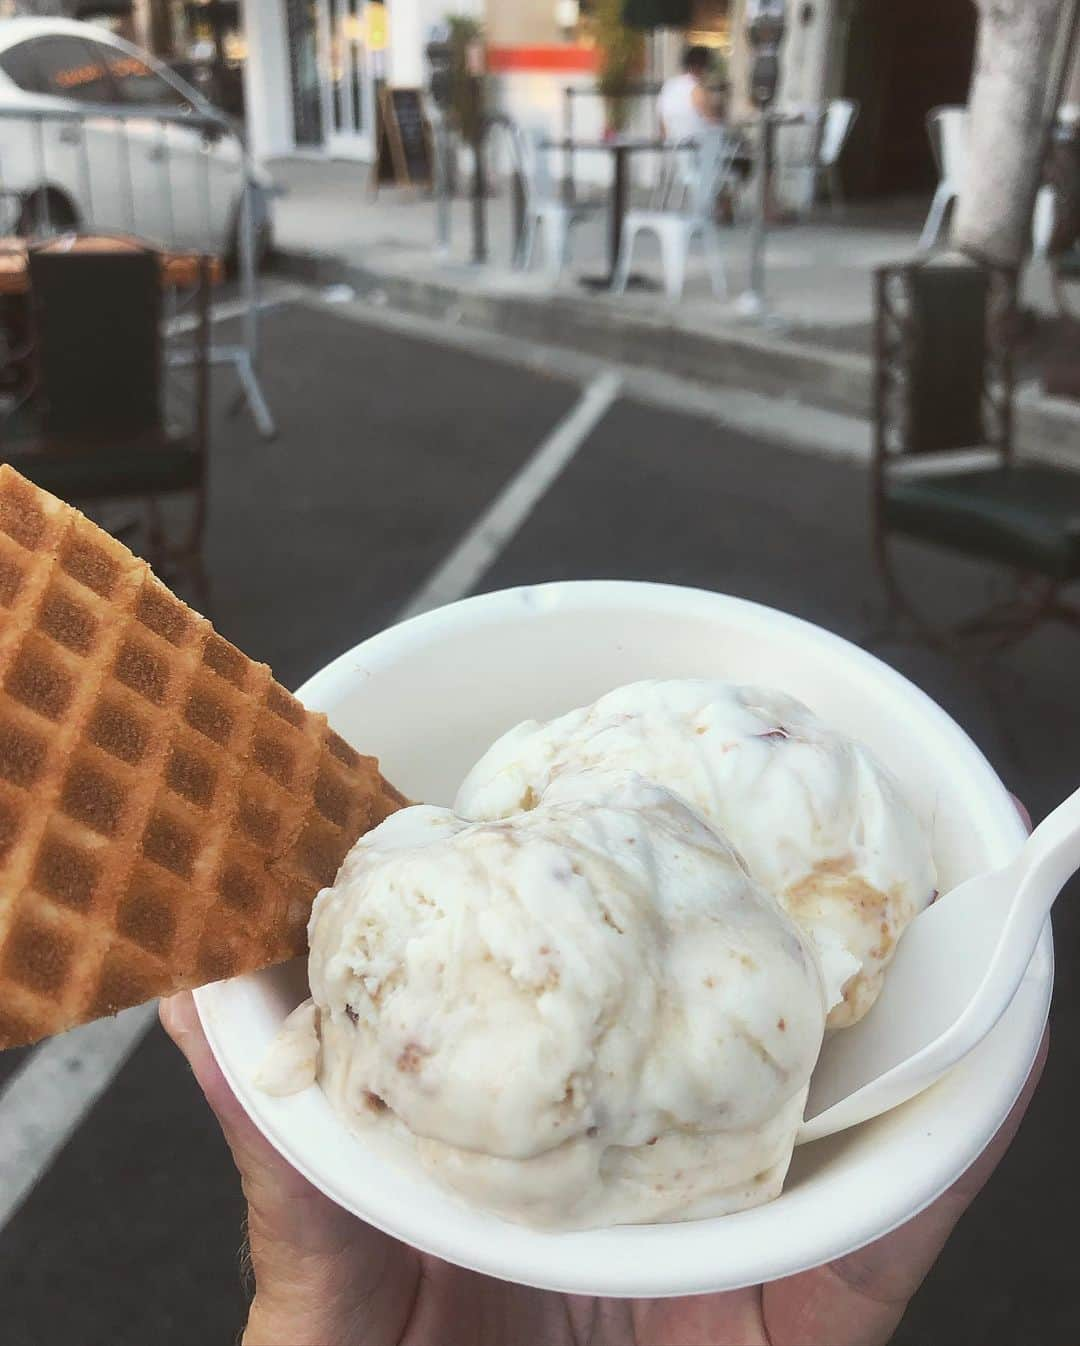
x,y
860,1299
180,1020
967,1188
321,1274
894,1267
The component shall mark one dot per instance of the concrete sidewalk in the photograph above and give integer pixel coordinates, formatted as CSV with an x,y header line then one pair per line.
x,y
331,227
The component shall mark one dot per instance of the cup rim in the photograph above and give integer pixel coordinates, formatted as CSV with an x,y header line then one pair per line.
x,y
670,1259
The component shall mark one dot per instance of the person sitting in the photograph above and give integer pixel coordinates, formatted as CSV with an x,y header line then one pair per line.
x,y
685,104
688,108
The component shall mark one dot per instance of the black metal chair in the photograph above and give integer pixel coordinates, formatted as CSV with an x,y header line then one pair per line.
x,y
95,425
945,330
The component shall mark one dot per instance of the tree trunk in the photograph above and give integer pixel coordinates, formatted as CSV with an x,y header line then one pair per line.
x,y
1007,137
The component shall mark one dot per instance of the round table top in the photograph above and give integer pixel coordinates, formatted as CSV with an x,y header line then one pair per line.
x,y
610,143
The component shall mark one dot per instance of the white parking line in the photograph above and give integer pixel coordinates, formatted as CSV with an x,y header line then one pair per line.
x,y
501,521
52,1091
56,1086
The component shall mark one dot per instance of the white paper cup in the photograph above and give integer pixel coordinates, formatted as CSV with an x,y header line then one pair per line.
x,y
428,697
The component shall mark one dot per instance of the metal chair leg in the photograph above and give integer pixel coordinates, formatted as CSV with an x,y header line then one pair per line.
x,y
715,259
621,277
836,190
528,242
1060,290
673,250
943,198
1002,624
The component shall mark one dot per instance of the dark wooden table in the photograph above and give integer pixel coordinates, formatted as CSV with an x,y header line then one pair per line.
x,y
179,270
620,148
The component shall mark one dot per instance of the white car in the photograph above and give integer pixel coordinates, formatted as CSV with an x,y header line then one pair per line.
x,y
125,146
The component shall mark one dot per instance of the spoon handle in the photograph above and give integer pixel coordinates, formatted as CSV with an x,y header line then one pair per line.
x,y
1050,857
1048,860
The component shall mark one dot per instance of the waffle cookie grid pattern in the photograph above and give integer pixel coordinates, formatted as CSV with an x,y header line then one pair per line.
x,y
167,811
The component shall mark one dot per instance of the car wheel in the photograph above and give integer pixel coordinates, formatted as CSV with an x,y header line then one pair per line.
x,y
45,211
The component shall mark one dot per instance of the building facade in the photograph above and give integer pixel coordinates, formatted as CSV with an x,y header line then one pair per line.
x,y
310,67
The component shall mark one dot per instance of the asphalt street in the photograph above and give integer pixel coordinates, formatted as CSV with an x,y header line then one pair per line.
x,y
392,445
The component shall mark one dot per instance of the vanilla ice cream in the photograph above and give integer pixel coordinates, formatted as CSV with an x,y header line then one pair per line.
x,y
820,823
585,1014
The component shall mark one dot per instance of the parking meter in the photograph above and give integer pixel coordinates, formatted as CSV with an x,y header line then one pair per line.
x,y
440,56
765,28
441,62
765,24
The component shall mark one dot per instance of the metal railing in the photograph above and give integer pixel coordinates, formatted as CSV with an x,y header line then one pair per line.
x,y
150,172
499,130
509,136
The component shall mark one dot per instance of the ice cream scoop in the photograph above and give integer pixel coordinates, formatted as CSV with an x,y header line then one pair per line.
x,y
586,1014
818,820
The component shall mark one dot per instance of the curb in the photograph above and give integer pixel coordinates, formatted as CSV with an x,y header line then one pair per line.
x,y
837,381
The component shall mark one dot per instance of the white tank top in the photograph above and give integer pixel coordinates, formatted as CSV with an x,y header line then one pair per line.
x,y
677,111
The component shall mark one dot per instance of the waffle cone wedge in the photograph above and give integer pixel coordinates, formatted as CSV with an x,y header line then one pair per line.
x,y
167,810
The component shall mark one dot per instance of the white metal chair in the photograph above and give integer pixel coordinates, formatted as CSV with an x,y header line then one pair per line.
x,y
676,230
948,127
948,130
1043,222
832,134
544,210
678,173
1064,266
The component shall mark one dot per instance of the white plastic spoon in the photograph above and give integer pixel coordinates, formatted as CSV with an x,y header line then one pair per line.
x,y
954,975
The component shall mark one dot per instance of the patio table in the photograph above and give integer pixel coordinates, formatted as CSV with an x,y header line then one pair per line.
x,y
179,270
620,148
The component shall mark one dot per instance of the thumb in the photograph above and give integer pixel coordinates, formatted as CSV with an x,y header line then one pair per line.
x,y
261,1167
321,1274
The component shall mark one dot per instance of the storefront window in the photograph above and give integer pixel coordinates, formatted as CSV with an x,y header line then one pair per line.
x,y
346,26
302,19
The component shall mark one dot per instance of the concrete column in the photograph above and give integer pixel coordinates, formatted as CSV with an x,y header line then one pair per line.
x,y
141,16
513,23
267,79
742,109
838,21
671,44
405,63
805,54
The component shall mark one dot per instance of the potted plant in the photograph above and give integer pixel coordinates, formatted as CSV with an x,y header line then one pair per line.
x,y
466,36
621,49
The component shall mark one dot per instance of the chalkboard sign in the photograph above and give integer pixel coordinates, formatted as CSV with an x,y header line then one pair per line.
x,y
404,152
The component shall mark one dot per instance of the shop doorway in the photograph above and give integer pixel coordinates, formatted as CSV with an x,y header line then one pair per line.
x,y
348,111
900,61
